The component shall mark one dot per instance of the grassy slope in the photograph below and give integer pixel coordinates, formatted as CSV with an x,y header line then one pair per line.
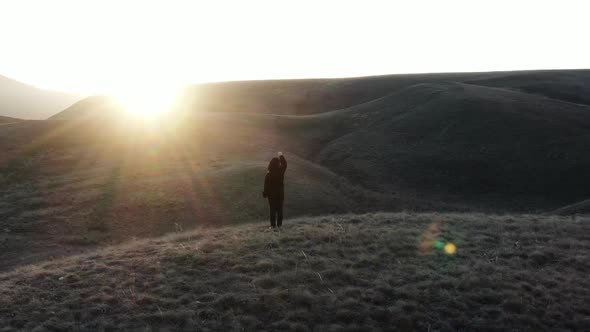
x,y
570,85
321,95
69,186
488,148
484,143
376,271
65,189
303,97
313,96
582,207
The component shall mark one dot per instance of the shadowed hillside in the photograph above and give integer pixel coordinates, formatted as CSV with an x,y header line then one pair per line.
x,y
27,102
438,272
467,140
579,208
570,85
300,97
297,97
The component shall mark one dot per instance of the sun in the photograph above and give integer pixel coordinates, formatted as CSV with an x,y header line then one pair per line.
x,y
147,103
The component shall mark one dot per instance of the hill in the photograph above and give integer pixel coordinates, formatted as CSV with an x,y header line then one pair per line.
x,y
90,108
6,119
91,177
301,97
569,85
71,186
312,96
27,102
579,208
464,139
342,272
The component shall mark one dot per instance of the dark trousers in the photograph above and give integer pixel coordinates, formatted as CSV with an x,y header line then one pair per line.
x,y
276,210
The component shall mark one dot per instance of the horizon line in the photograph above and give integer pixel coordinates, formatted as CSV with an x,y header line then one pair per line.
x,y
181,86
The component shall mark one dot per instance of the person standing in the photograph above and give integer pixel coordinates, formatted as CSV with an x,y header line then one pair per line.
x,y
274,189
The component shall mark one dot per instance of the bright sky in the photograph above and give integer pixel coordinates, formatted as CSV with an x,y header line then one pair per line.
x,y
114,47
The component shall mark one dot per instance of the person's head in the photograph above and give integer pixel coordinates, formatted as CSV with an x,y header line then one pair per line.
x,y
273,165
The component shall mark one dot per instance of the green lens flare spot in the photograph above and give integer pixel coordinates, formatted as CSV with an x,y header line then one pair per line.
x,y
438,244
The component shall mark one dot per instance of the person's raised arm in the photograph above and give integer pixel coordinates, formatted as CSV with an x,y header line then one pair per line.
x,y
283,162
266,188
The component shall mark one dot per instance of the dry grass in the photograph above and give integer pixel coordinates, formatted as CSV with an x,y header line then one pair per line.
x,y
349,272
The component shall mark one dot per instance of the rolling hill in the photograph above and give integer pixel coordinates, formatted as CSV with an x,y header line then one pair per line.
x,y
579,208
90,107
569,85
23,101
477,168
91,177
71,186
6,120
311,96
464,139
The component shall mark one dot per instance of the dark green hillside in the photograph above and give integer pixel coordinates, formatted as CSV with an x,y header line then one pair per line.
x,y
567,85
579,208
300,97
465,139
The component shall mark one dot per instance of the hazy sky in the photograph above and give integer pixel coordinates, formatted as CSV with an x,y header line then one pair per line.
x,y
116,46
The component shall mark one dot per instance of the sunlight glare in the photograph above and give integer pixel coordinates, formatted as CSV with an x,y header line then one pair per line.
x,y
147,103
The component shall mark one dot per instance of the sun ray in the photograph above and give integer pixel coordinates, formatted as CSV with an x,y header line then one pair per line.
x,y
147,102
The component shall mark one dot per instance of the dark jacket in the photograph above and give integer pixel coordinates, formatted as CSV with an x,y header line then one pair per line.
x,y
273,182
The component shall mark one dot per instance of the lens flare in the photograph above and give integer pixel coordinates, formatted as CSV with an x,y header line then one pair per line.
x,y
431,240
450,249
438,244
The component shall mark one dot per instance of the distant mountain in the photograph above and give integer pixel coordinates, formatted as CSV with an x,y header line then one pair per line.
x,y
93,106
28,102
6,119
